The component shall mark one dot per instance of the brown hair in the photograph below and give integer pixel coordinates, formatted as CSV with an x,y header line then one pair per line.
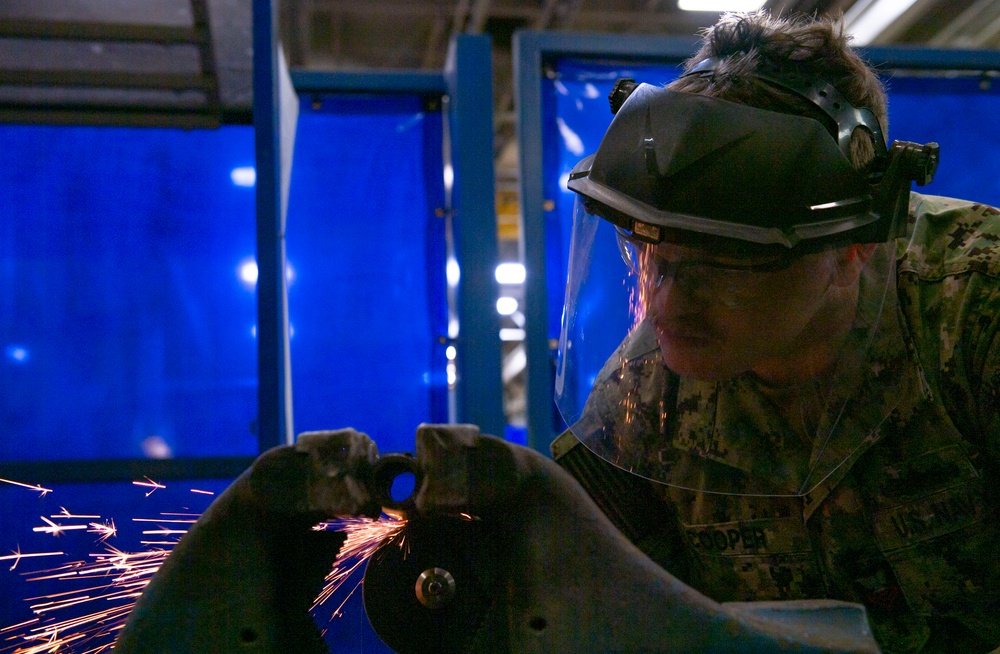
x,y
746,44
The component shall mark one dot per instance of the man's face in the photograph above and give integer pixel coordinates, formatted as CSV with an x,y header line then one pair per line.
x,y
717,317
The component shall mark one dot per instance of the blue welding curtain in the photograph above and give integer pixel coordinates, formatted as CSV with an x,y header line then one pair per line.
x,y
125,329
366,255
127,278
957,112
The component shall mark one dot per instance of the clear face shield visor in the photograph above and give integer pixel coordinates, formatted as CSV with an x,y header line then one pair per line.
x,y
717,367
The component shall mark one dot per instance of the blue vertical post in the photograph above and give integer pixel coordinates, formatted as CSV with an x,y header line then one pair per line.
x,y
528,100
273,405
468,76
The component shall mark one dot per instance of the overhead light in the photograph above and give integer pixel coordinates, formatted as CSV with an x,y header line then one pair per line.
x,y
866,19
247,272
449,177
506,305
511,334
452,272
510,273
720,5
245,176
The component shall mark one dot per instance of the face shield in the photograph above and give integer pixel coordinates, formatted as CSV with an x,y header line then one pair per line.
x,y
730,317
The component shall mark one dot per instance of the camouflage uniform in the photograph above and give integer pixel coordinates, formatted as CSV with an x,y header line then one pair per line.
x,y
898,510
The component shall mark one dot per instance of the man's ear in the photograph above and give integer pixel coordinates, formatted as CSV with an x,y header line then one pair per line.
x,y
850,260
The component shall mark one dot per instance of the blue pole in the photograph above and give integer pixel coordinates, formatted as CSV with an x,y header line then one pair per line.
x,y
273,410
538,374
468,76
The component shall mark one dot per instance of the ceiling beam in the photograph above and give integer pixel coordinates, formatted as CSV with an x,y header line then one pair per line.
x,y
477,21
433,50
107,79
962,31
544,18
90,31
458,19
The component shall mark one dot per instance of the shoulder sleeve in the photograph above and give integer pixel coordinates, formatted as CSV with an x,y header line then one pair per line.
x,y
949,276
985,367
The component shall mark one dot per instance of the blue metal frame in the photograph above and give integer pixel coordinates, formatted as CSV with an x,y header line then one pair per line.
x,y
531,50
467,81
401,82
883,58
273,383
468,75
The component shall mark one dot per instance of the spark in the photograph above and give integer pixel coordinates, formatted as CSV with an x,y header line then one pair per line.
x,y
34,487
64,513
106,584
364,536
17,555
105,530
19,625
149,483
55,529
202,492
120,577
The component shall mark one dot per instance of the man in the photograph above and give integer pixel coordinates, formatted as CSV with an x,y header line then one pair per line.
x,y
811,380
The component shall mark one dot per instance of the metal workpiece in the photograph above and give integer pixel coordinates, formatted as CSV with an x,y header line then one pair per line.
x,y
241,580
501,551
537,567
340,466
385,472
245,575
464,472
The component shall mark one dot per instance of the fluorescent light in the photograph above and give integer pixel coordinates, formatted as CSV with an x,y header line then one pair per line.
x,y
510,273
247,272
866,19
449,177
511,334
245,176
506,306
720,5
154,447
453,272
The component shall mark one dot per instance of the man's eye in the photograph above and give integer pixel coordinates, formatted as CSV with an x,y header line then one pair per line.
x,y
665,267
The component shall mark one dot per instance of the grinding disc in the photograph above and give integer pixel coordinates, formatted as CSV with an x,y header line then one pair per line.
x,y
431,587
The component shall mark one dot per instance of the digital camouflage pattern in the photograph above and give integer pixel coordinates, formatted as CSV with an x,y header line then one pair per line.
x,y
896,507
